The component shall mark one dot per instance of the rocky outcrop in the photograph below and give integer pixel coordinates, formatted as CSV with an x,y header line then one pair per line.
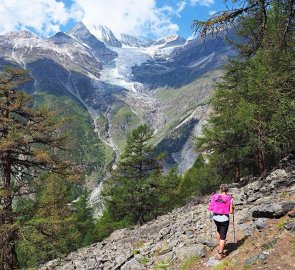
x,y
187,231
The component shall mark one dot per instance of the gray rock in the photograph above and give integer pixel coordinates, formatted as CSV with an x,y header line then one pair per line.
x,y
292,214
182,253
270,244
254,187
288,206
207,242
248,229
164,258
245,216
164,232
68,266
254,197
261,223
272,210
277,174
132,265
213,262
290,226
255,259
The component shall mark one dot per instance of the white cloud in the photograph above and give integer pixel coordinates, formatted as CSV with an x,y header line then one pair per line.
x,y
43,16
212,12
128,16
206,3
46,17
181,6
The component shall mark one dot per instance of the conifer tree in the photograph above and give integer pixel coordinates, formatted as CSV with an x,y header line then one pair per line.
x,y
130,192
252,123
29,140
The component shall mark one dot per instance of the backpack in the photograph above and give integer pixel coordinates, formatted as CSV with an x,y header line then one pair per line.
x,y
220,204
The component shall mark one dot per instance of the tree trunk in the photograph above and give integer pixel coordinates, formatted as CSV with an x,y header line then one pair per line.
x,y
260,151
8,233
237,172
261,161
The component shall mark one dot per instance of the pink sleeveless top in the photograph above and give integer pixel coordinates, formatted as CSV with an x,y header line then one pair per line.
x,y
220,204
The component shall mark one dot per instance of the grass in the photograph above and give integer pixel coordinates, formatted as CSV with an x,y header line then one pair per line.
x,y
280,225
125,115
189,262
246,267
144,261
135,252
138,244
161,266
226,265
86,147
123,122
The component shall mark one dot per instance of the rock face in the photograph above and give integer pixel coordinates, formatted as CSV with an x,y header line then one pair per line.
x,y
186,232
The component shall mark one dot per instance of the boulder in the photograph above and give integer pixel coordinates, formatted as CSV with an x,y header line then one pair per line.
x,y
261,223
272,210
277,174
182,253
255,259
207,242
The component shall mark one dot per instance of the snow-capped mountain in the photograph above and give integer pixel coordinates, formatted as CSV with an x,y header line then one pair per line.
x,y
126,81
81,33
133,41
169,41
105,34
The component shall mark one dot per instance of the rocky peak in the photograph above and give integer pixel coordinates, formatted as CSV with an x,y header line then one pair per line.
x,y
82,34
60,38
104,34
169,41
133,41
24,34
79,29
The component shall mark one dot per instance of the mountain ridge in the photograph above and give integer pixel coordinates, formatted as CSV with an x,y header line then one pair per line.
x,y
123,86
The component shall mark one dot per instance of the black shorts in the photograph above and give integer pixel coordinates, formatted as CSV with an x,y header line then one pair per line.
x,y
222,228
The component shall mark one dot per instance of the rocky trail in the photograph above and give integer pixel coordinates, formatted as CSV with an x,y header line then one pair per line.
x,y
264,226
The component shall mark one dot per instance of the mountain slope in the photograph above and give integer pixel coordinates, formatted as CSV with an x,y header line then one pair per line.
x,y
164,83
183,239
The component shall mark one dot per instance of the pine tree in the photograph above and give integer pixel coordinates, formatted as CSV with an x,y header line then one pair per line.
x,y
47,225
130,192
29,143
251,125
84,221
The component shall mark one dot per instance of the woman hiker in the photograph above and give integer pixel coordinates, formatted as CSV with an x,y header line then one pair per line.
x,y
221,205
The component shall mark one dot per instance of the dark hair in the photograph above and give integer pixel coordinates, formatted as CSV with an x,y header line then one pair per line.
x,y
224,188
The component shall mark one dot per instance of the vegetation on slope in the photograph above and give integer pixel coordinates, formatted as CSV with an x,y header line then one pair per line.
x,y
252,123
86,148
123,121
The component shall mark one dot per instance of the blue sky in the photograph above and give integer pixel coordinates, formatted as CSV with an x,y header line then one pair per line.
x,y
147,18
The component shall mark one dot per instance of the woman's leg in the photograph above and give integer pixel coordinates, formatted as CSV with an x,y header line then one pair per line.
x,y
218,227
223,232
221,245
217,237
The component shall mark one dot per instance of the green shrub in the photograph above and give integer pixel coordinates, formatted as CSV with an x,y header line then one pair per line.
x,y
187,263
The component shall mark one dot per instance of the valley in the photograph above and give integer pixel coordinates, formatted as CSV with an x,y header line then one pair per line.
x,y
122,83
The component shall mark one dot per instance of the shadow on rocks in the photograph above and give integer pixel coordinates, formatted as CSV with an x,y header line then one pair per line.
x,y
231,247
